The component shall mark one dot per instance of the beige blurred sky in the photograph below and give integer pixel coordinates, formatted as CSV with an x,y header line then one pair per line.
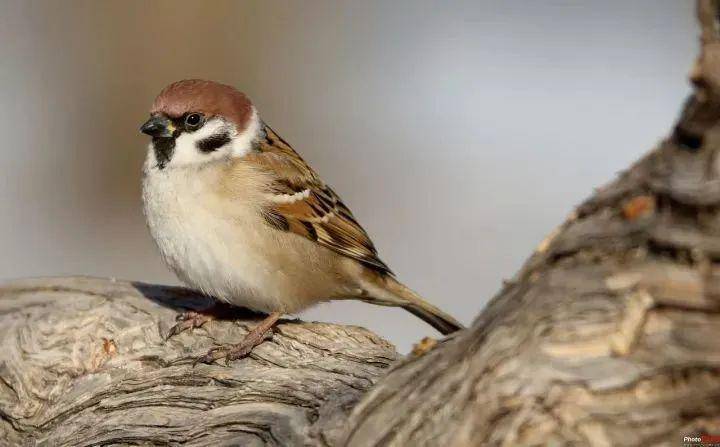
x,y
459,132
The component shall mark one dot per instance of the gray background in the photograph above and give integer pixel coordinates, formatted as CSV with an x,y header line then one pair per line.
x,y
460,133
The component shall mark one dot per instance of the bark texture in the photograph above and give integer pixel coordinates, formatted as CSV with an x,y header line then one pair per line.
x,y
609,335
84,363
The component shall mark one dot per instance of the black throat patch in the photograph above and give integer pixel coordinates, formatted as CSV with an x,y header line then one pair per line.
x,y
213,142
164,148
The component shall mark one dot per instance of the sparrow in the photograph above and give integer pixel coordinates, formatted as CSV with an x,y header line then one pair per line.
x,y
237,214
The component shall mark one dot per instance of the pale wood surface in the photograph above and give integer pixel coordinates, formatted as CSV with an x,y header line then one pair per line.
x,y
83,362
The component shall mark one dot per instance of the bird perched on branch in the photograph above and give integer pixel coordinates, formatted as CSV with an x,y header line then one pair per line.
x,y
237,214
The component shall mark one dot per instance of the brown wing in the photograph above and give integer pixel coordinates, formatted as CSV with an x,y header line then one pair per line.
x,y
303,204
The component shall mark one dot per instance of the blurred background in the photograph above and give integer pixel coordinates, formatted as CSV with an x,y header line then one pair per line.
x,y
459,132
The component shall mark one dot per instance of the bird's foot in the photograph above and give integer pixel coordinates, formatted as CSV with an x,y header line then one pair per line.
x,y
253,338
190,319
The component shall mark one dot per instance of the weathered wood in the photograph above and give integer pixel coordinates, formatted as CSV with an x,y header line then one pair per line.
x,y
609,335
84,362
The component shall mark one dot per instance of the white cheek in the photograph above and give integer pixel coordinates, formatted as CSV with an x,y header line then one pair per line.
x,y
186,151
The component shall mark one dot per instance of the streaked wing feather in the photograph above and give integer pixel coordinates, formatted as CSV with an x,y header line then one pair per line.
x,y
301,203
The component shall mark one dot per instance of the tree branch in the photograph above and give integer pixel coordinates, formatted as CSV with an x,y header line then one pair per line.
x,y
84,363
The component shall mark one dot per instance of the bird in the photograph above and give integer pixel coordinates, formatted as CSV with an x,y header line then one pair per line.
x,y
237,214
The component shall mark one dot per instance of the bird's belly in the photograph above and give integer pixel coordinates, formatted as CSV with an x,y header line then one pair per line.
x,y
232,256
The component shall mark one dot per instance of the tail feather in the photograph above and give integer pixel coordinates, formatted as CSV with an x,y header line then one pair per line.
x,y
394,293
444,323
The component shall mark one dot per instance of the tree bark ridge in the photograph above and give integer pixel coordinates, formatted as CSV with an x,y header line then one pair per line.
x,y
84,362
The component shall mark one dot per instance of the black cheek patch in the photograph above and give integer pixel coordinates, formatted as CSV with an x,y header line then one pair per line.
x,y
213,142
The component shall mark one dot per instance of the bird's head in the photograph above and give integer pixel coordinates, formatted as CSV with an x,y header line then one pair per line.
x,y
193,122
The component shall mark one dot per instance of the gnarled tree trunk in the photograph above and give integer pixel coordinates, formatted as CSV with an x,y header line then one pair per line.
x,y
609,335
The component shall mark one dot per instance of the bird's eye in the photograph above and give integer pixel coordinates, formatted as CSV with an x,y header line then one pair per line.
x,y
193,120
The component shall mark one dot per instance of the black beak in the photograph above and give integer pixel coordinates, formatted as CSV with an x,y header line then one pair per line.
x,y
157,126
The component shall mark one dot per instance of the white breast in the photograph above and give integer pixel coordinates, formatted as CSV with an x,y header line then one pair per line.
x,y
210,246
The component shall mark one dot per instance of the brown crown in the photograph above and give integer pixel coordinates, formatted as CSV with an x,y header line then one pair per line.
x,y
207,97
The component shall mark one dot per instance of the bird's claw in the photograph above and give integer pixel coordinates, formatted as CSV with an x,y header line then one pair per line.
x,y
187,320
233,352
211,356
